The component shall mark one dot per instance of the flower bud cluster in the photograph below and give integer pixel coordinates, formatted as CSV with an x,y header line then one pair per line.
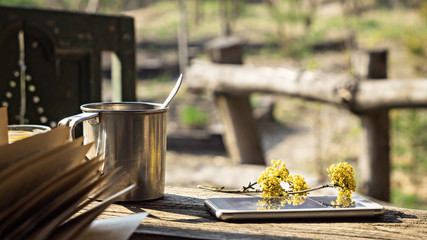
x,y
272,178
342,176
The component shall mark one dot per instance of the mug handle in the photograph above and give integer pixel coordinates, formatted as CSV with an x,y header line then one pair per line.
x,y
72,121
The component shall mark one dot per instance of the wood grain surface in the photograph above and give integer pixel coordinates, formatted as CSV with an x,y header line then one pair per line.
x,y
339,89
182,215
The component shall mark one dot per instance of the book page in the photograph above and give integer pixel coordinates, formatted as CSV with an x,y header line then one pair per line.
x,y
45,180
45,219
17,184
75,228
114,228
13,153
43,195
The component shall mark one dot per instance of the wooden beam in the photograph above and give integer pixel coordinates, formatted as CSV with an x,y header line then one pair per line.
x,y
339,89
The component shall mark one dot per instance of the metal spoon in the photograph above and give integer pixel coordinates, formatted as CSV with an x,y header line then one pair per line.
x,y
173,92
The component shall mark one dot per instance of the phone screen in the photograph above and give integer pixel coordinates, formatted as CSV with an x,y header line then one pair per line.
x,y
290,207
279,203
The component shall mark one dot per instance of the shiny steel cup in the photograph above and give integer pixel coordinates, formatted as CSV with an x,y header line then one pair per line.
x,y
21,131
132,136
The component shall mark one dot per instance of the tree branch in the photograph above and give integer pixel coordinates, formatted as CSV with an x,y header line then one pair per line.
x,y
250,188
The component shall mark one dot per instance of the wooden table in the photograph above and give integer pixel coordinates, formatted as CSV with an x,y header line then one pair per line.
x,y
182,215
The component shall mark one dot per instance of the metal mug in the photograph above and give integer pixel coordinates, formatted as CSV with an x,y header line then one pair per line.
x,y
132,135
21,131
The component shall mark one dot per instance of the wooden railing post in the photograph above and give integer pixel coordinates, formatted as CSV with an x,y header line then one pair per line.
x,y
241,135
374,161
242,139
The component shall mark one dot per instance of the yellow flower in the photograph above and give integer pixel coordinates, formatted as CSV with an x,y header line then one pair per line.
x,y
342,176
270,180
297,183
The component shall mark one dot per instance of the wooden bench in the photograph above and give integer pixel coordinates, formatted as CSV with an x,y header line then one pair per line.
x,y
182,215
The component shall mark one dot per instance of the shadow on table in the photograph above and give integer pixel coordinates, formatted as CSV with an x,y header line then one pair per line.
x,y
156,232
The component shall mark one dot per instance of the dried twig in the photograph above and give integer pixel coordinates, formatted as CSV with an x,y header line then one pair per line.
x,y
250,188
244,189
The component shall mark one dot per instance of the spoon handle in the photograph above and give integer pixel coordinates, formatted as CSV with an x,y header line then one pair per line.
x,y
173,92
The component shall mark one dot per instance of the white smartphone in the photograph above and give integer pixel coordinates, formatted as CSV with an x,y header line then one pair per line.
x,y
247,208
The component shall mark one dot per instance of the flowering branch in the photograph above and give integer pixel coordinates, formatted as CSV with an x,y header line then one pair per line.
x,y
250,189
271,179
331,185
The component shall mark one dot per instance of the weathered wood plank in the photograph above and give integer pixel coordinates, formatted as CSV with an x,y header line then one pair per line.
x,y
181,214
339,89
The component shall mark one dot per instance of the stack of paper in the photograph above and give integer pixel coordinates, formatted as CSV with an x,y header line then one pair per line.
x,y
45,181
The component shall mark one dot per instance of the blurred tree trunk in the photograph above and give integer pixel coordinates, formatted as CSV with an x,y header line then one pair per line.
x,y
224,18
229,12
182,37
198,12
273,8
351,12
92,6
309,7
236,9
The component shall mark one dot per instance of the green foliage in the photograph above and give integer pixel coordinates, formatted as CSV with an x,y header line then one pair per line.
x,y
423,11
193,116
162,78
302,47
311,65
26,3
298,48
290,15
289,11
410,138
380,26
270,52
407,200
415,42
